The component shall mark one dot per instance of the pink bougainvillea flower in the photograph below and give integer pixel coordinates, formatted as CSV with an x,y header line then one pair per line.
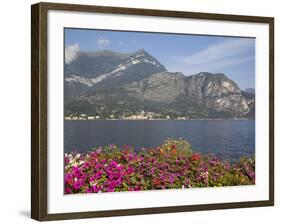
x,y
67,190
77,185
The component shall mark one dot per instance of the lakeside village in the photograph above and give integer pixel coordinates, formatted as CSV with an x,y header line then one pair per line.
x,y
139,116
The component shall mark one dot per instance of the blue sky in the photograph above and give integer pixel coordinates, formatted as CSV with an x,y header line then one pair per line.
x,y
189,54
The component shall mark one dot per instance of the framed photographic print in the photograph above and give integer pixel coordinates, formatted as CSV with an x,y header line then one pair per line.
x,y
138,111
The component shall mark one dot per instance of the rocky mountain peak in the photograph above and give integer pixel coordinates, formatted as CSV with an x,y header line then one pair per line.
x,y
141,51
212,85
142,56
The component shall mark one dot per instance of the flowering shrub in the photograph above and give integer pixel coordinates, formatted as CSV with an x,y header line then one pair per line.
x,y
169,166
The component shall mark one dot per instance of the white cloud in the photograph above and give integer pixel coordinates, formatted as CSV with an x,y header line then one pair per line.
x,y
102,42
71,52
217,57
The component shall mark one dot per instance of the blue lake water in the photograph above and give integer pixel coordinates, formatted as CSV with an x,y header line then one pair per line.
x,y
228,139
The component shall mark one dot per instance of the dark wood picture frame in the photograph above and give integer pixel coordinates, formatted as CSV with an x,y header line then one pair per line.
x,y
39,110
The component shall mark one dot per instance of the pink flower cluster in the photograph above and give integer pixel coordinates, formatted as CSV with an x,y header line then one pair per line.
x,y
169,166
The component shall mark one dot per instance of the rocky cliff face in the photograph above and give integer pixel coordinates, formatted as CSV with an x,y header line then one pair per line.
x,y
160,87
218,92
212,91
138,81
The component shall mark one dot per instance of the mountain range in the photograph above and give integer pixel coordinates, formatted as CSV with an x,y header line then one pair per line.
x,y
106,82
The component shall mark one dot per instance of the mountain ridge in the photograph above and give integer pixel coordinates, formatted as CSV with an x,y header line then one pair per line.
x,y
130,83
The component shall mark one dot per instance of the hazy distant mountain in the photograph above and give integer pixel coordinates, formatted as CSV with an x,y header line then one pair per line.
x,y
250,90
129,83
